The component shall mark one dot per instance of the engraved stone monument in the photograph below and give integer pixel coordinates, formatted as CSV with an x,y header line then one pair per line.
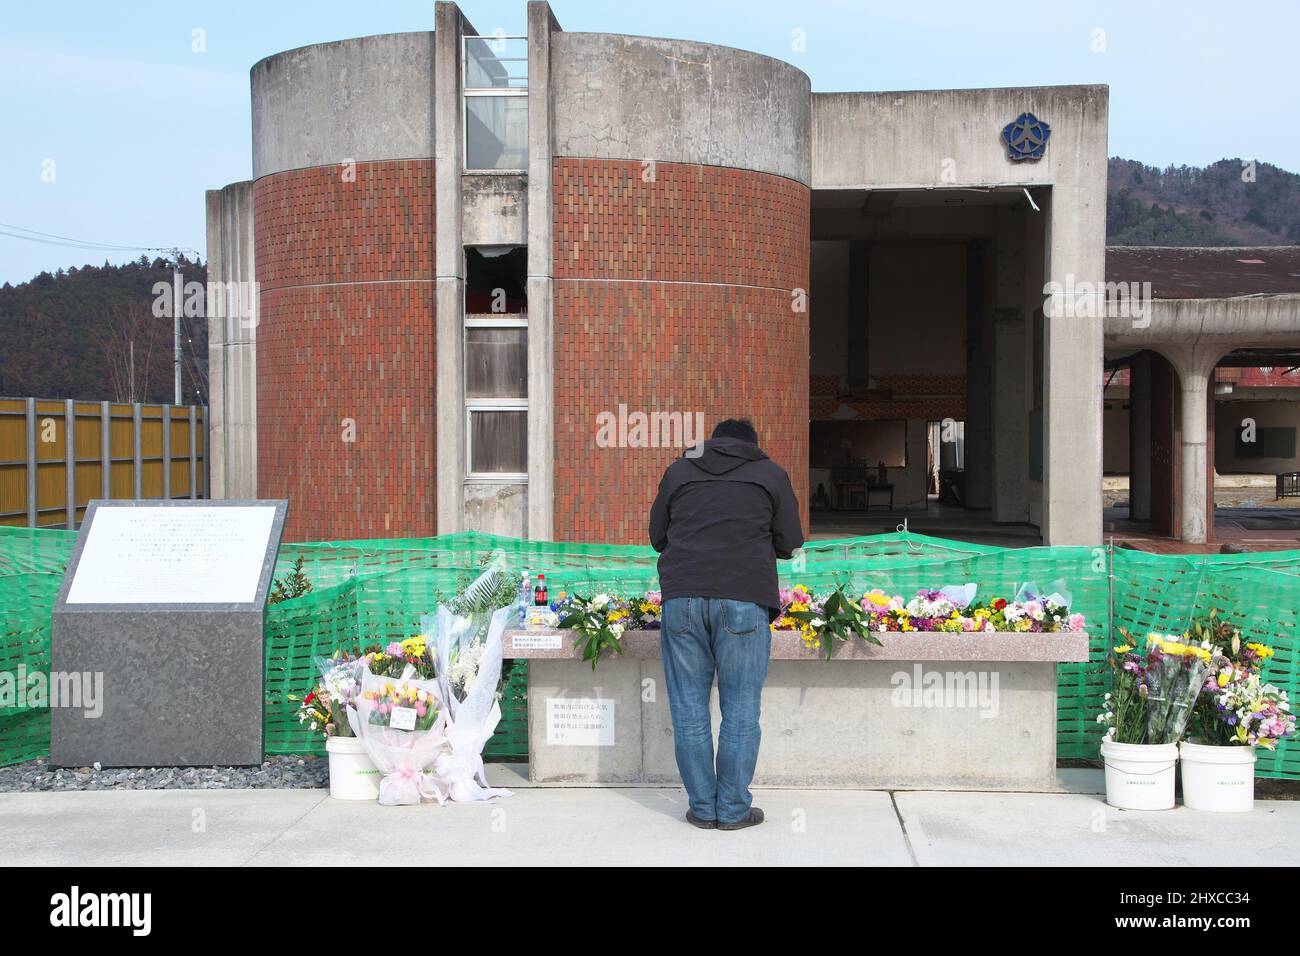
x,y
164,600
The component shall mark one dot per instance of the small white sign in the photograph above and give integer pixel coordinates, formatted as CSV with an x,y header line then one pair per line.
x,y
402,718
537,642
193,554
580,721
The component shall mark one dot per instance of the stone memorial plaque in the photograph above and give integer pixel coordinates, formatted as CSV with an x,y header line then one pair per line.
x,y
162,607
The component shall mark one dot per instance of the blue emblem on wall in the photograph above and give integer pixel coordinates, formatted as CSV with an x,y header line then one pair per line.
x,y
1026,138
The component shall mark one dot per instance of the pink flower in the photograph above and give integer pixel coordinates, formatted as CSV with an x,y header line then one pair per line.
x,y
1075,622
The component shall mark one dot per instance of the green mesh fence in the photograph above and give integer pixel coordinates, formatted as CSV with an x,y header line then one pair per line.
x,y
373,591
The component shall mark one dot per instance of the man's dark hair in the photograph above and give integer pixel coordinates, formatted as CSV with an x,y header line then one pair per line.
x,y
741,428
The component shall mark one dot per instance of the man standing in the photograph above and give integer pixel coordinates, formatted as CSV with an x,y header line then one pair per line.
x,y
721,519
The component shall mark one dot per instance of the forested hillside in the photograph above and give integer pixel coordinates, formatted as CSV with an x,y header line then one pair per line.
x,y
74,333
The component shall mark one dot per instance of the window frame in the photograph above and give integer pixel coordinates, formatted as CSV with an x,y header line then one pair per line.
x,y
490,320
473,405
467,91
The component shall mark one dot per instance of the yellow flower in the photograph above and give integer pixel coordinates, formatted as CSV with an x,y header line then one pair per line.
x,y
1223,679
1262,650
1123,648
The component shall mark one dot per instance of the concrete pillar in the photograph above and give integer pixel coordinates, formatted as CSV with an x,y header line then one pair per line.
x,y
1139,438
1192,499
1195,366
979,386
449,28
1010,417
541,301
232,306
1072,357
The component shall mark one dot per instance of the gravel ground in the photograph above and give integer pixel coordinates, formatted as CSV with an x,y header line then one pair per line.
x,y
278,772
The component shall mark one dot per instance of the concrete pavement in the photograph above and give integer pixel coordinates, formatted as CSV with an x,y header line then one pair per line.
x,y
632,826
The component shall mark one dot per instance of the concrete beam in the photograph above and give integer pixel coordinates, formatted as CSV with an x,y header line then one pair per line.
x,y
1194,335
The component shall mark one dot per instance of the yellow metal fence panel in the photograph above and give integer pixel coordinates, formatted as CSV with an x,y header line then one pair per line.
x,y
47,441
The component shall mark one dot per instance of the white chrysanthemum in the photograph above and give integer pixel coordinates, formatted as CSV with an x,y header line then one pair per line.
x,y
465,667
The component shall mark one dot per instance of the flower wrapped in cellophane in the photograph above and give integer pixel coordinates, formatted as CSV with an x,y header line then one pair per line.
x,y
1155,690
1176,671
324,709
399,718
468,657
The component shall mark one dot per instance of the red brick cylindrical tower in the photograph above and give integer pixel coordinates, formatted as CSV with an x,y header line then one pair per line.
x,y
343,200
681,257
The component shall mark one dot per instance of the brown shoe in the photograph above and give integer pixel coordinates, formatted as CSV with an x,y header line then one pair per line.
x,y
751,819
703,824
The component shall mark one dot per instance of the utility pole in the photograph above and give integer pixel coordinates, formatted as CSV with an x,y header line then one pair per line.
x,y
176,320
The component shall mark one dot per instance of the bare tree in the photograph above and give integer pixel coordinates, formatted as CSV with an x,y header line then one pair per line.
x,y
128,336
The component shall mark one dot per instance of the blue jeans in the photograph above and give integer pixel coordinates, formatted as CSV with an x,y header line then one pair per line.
x,y
701,637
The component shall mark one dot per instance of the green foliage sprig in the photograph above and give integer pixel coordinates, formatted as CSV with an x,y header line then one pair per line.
x,y
840,619
292,585
593,632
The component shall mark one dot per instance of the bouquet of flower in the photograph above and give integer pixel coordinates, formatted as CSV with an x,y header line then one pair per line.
x,y
795,599
836,618
646,612
1154,691
954,609
394,659
1246,712
401,705
325,708
468,656
1236,706
398,716
598,624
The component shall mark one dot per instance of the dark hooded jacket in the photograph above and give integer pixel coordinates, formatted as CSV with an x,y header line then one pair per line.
x,y
721,520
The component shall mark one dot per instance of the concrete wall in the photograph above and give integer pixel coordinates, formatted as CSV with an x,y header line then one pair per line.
x,y
1282,412
361,99
641,98
232,342
494,210
917,294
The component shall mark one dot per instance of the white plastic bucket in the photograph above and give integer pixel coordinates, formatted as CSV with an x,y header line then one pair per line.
x,y
1139,776
1221,779
352,775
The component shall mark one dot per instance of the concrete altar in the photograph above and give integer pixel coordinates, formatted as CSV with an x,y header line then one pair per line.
x,y
923,711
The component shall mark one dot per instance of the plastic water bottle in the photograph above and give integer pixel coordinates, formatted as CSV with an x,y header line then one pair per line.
x,y
525,600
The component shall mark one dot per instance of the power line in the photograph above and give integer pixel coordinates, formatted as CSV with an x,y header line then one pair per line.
x,y
53,239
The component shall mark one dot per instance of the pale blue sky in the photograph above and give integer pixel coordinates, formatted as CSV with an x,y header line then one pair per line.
x,y
138,124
